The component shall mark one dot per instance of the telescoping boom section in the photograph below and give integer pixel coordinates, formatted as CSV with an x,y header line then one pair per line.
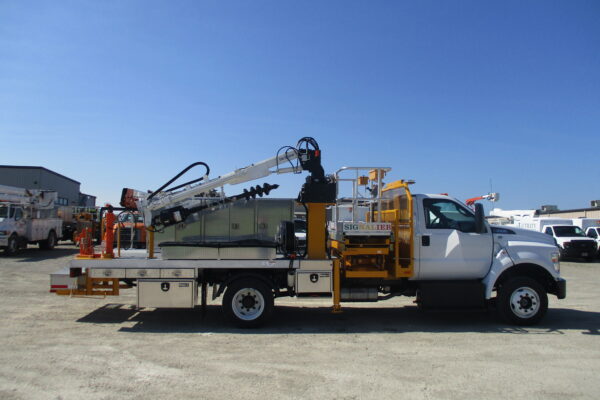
x,y
347,236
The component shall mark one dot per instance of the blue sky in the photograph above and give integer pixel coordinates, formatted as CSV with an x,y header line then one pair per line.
x,y
452,94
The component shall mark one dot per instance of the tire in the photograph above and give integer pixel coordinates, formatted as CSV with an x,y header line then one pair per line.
x,y
12,246
522,301
49,243
248,303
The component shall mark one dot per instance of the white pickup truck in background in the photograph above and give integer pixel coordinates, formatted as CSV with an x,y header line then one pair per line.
x,y
572,241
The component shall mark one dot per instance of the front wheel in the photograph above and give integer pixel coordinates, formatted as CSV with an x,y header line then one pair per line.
x,y
248,303
522,301
12,246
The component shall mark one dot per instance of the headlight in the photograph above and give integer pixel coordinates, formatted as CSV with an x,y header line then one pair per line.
x,y
567,244
556,262
3,233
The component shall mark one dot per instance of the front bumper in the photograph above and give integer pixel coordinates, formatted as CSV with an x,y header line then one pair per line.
x,y
561,288
578,253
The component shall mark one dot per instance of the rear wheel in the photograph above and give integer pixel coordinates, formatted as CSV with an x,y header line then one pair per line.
x,y
522,301
248,303
49,243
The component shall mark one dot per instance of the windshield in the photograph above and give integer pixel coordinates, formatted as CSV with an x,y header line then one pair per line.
x,y
3,212
562,231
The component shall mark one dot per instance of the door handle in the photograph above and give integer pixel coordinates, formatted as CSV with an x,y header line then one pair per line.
x,y
425,240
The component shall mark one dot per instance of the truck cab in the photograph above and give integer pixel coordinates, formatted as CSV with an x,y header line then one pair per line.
x,y
13,227
448,242
459,254
572,241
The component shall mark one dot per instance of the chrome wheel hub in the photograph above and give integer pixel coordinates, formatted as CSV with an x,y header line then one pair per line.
x,y
248,304
524,302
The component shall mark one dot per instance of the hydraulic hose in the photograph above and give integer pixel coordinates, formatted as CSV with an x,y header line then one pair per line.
x,y
160,189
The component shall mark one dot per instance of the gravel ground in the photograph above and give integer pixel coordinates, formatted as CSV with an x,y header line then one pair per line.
x,y
55,347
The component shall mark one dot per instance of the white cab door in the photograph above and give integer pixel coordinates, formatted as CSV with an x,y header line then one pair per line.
x,y
20,222
448,246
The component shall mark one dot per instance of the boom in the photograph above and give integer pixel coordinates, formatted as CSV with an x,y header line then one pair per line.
x,y
41,199
171,202
493,197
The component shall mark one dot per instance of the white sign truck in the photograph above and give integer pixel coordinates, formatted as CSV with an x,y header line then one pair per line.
x,y
585,223
28,216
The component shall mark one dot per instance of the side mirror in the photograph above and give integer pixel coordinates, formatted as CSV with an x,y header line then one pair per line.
x,y
479,219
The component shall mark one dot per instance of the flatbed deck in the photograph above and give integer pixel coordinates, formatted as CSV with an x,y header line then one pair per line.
x,y
134,259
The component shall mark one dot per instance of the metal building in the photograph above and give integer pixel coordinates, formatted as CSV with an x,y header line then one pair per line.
x,y
590,212
30,177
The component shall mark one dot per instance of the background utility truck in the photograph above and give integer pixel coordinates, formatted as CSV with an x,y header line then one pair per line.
x,y
431,247
571,240
28,216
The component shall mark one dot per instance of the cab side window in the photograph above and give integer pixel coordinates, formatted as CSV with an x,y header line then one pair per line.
x,y
446,214
18,214
548,231
592,233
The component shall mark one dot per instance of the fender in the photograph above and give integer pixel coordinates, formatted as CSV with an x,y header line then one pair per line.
x,y
500,263
242,275
516,253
